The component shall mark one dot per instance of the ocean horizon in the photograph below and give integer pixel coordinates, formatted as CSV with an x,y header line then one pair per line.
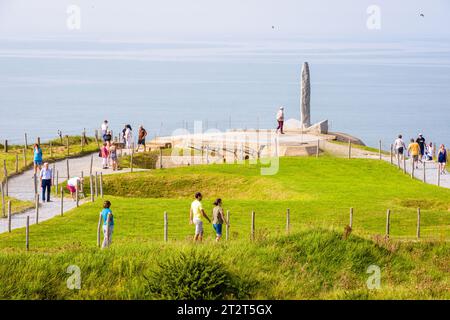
x,y
370,89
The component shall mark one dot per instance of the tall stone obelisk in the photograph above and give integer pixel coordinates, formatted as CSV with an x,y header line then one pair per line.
x,y
306,97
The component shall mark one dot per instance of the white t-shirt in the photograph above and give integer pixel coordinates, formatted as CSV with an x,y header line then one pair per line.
x,y
104,126
399,144
73,181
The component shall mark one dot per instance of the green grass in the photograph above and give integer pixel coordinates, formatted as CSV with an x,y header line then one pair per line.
x,y
314,262
57,152
17,206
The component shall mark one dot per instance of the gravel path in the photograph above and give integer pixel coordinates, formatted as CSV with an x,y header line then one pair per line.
x,y
22,187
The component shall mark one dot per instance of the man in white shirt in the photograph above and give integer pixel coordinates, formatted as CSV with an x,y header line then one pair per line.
x,y
280,119
399,146
46,176
196,216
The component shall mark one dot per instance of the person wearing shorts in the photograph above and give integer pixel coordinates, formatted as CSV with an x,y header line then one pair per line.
x,y
442,159
113,156
218,218
414,151
399,146
37,158
141,137
72,185
196,216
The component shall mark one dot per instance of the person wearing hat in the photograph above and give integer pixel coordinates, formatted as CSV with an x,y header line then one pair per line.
x,y
421,141
280,119
141,137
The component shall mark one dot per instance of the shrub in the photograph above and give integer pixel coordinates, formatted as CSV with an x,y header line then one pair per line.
x,y
193,276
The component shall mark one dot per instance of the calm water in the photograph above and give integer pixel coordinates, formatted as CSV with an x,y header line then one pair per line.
x,y
370,89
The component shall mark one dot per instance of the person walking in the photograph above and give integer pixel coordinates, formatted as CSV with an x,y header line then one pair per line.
x,y
107,217
442,159
218,218
414,151
196,216
104,129
421,141
280,120
399,147
141,137
129,137
429,151
37,158
113,157
46,177
104,152
107,138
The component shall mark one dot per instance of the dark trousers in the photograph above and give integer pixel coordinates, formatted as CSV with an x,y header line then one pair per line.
x,y
46,187
280,126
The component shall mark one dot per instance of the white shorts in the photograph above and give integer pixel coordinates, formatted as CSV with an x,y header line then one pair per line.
x,y
198,226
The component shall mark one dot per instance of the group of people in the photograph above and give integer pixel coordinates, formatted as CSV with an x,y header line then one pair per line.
x,y
420,151
108,151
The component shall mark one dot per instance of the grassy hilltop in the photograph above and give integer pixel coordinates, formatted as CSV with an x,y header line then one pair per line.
x,y
312,262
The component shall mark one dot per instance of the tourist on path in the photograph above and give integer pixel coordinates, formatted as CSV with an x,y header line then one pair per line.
x,y
46,177
129,137
442,159
218,218
124,138
141,137
104,153
421,141
107,217
196,216
37,158
73,185
107,138
414,151
280,119
113,157
104,129
399,147
429,152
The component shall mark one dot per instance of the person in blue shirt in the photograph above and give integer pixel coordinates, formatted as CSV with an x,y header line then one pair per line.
x,y
37,157
108,228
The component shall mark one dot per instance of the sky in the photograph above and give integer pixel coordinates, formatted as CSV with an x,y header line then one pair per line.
x,y
224,18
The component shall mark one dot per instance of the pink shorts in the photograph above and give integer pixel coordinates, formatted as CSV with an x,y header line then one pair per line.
x,y
71,189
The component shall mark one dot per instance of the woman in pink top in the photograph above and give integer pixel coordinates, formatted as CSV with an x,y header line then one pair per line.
x,y
105,154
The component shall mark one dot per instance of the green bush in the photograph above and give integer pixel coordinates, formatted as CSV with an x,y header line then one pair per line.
x,y
193,276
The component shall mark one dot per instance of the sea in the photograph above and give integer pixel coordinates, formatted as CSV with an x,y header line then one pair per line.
x,y
373,89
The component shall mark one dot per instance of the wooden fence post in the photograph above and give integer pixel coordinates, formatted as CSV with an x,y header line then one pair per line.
x,y
404,163
67,145
9,215
99,226
253,226
92,162
379,150
68,171
5,173
51,149
96,184
227,229
91,187
388,222
26,141
351,218
101,185
38,141
398,160
77,196
96,139
438,176
166,227
57,182
349,149
53,175
424,173
2,189
35,183
82,184
418,223
5,146
288,220
27,233
131,158
36,200
412,168
61,207
160,158
24,157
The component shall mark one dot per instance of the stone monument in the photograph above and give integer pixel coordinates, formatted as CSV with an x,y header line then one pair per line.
x,y
306,97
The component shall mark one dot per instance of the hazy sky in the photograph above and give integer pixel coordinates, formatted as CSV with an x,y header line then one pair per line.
x,y
224,18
